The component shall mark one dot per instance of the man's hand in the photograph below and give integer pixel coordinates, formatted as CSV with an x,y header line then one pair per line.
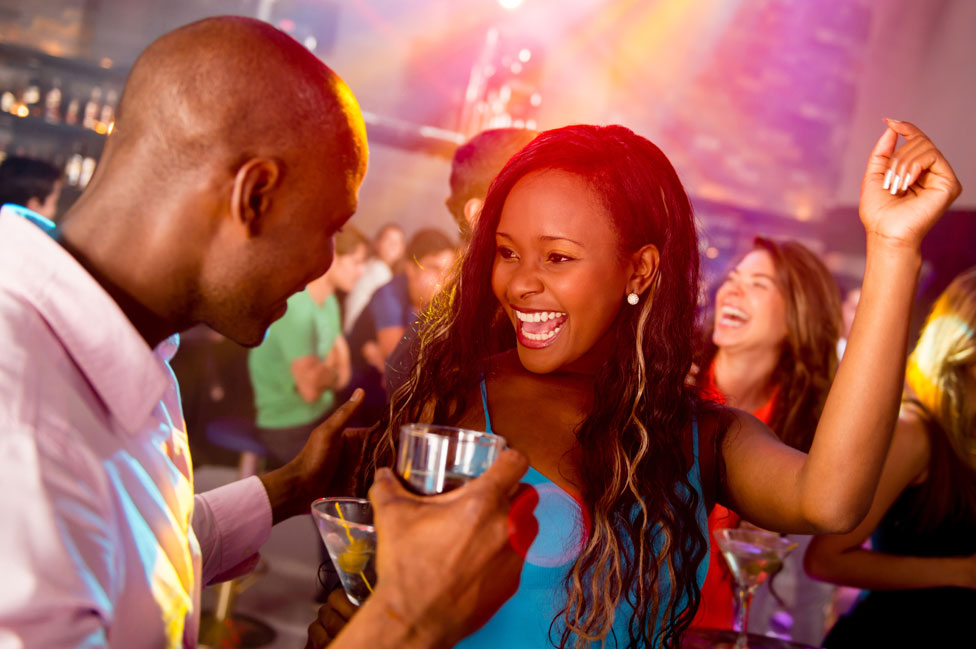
x,y
332,617
446,563
293,487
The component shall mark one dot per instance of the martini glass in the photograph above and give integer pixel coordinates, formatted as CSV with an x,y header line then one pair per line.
x,y
435,459
753,555
346,526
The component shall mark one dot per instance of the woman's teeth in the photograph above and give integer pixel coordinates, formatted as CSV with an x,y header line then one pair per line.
x,y
733,316
538,316
543,336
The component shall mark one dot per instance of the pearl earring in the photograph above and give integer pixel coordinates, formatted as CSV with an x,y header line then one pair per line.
x,y
633,298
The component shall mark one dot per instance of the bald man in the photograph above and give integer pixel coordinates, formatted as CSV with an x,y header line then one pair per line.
x,y
235,157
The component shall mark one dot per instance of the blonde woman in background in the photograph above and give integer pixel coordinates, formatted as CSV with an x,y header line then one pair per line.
x,y
921,570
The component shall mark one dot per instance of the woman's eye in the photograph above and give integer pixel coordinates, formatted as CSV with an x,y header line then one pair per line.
x,y
760,285
557,258
505,253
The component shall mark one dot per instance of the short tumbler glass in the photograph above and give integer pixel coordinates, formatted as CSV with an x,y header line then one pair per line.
x,y
434,459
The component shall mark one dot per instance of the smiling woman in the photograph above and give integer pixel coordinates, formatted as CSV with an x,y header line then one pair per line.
x,y
569,329
772,352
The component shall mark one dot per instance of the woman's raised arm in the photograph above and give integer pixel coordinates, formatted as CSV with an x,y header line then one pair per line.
x,y
903,194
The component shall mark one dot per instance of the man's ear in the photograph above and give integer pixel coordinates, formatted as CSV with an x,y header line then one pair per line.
x,y
472,209
34,205
253,185
645,263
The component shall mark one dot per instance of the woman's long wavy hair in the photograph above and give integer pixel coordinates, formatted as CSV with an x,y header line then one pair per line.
x,y
808,360
635,444
938,372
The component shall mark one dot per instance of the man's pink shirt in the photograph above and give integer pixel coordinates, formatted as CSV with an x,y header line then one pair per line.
x,y
104,543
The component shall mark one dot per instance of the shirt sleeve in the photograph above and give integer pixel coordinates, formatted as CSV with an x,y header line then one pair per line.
x,y
387,308
231,523
57,549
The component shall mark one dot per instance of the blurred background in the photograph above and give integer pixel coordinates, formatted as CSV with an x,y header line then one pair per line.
x,y
767,108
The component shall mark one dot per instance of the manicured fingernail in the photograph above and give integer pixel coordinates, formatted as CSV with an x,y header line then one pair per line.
x,y
357,395
908,181
887,182
895,185
895,121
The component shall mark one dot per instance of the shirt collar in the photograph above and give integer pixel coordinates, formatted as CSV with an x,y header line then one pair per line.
x,y
128,376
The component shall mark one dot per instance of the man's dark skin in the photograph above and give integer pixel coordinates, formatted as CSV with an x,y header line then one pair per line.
x,y
235,157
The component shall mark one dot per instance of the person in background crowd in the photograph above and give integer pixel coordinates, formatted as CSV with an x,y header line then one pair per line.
x,y
389,246
772,352
392,310
34,184
921,569
208,208
566,330
474,165
304,359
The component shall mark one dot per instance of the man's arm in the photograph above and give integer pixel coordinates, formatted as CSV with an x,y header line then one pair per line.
x,y
58,548
388,338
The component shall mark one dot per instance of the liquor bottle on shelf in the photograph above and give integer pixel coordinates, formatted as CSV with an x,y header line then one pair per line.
x,y
72,112
32,98
7,101
72,170
90,117
106,117
52,103
87,171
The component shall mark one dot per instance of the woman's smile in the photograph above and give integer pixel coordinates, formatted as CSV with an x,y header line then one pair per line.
x,y
538,329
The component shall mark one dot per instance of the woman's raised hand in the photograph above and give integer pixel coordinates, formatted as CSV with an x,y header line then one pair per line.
x,y
905,191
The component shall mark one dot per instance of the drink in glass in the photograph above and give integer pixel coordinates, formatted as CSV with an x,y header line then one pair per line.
x,y
346,526
434,459
753,555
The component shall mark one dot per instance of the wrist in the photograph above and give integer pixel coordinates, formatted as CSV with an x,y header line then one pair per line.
x,y
883,245
385,613
285,489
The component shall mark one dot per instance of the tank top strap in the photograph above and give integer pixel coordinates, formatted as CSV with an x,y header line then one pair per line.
x,y
484,403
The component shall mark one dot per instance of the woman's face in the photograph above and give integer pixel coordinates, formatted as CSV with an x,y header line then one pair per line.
x,y
391,246
750,311
346,269
558,272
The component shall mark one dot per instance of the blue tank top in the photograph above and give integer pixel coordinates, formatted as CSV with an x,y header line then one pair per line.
x,y
524,621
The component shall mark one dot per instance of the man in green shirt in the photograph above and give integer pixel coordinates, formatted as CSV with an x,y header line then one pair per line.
x,y
304,358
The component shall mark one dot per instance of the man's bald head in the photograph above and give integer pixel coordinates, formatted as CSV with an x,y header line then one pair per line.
x,y
236,156
228,88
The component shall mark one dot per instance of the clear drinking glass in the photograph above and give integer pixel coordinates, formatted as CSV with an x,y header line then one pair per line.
x,y
753,555
346,526
433,459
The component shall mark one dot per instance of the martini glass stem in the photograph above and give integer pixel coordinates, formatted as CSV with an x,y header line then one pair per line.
x,y
743,598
